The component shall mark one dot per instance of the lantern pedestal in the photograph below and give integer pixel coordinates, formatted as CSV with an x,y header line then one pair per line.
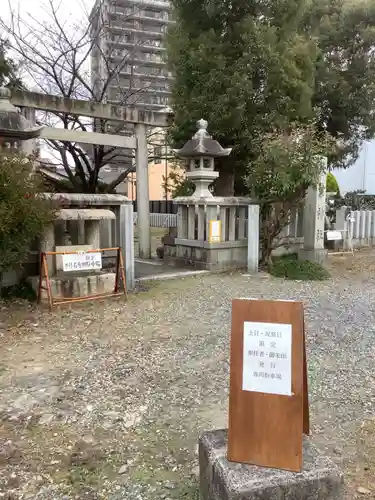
x,y
197,247
202,180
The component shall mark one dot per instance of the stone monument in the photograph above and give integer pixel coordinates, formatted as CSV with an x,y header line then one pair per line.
x,y
314,223
211,230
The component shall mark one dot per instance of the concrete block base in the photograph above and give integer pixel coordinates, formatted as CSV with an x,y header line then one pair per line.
x,y
69,285
319,256
223,480
209,257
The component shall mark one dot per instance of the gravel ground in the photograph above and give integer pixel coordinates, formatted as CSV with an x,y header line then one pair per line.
x,y
106,400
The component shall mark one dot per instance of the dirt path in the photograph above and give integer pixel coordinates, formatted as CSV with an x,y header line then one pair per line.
x,y
106,401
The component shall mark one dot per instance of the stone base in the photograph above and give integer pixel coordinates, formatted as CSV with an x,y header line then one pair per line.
x,y
223,480
68,285
319,256
206,256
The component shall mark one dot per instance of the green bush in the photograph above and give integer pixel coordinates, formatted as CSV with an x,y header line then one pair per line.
x,y
332,185
289,267
23,214
22,290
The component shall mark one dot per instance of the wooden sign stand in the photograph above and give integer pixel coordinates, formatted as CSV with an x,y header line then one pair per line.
x,y
44,277
268,402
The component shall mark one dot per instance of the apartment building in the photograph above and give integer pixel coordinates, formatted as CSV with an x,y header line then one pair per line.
x,y
129,43
129,53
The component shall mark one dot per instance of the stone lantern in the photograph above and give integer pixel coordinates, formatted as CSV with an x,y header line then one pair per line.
x,y
200,152
211,231
14,127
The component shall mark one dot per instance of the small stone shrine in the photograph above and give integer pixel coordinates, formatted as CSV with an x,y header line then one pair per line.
x,y
76,230
211,230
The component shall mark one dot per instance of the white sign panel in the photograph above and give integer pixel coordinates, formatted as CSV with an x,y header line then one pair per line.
x,y
267,358
82,261
334,235
215,231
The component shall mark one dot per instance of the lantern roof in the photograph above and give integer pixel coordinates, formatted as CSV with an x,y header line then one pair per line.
x,y
202,145
12,123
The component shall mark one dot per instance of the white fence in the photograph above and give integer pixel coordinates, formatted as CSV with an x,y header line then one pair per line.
x,y
361,229
160,220
360,224
293,230
357,226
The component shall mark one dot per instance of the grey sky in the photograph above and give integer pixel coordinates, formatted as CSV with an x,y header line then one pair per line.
x,y
72,16
360,176
36,8
70,13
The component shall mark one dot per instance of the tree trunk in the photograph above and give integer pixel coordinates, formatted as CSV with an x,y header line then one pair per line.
x,y
224,185
266,259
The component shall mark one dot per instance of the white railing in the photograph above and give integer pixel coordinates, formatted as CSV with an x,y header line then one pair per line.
x,y
295,228
160,220
362,227
360,224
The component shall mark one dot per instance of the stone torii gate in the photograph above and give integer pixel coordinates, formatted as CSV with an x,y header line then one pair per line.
x,y
142,119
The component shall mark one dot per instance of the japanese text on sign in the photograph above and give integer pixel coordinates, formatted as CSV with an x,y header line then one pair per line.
x,y
267,358
82,261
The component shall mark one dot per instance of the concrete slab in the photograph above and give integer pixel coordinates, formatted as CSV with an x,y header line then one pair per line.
x,y
67,285
155,269
144,267
223,480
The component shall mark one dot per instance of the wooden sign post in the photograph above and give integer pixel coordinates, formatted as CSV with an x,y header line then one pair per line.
x,y
268,402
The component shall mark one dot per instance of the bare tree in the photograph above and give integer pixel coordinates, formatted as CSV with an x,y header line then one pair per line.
x,y
57,56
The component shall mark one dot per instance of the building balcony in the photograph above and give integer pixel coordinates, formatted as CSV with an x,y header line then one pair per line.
x,y
139,90
140,105
153,4
138,60
148,76
143,17
159,35
138,44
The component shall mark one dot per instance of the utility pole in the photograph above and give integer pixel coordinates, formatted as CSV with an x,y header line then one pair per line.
x,y
143,197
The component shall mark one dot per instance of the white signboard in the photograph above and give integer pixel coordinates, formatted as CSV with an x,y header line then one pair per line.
x,y
215,231
267,358
334,235
82,261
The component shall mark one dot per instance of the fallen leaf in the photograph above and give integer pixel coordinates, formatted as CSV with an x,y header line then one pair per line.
x,y
363,491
